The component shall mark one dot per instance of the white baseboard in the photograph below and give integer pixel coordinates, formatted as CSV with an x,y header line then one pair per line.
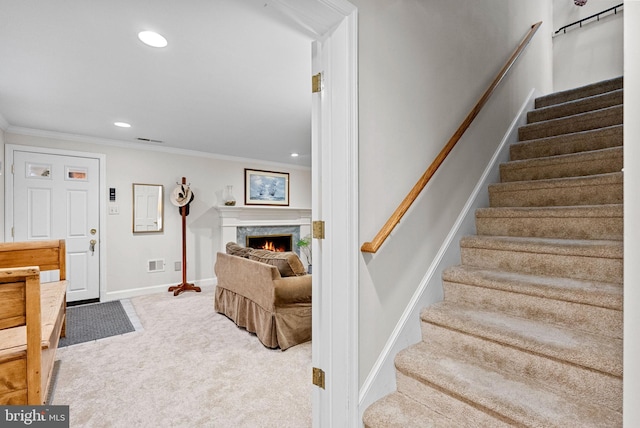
x,y
382,377
161,288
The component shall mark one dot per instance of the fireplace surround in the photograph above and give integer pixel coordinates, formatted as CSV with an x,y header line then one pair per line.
x,y
238,222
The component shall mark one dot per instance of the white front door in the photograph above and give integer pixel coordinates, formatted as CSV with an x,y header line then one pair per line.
x,y
57,197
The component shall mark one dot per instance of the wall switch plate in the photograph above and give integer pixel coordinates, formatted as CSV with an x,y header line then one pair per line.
x,y
177,266
114,210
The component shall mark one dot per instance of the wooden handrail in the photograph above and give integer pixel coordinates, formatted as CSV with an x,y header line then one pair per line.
x,y
383,234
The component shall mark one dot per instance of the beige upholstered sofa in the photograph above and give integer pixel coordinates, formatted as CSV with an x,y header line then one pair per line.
x,y
255,294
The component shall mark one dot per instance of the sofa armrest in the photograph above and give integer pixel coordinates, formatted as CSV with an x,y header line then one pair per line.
x,y
248,278
292,290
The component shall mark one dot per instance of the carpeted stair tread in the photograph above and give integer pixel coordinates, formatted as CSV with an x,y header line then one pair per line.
x,y
577,347
580,92
593,162
582,247
564,222
517,400
566,191
526,301
593,139
579,122
582,105
594,293
396,410
560,376
596,260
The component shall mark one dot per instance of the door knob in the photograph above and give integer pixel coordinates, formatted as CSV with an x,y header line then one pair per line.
x,y
92,244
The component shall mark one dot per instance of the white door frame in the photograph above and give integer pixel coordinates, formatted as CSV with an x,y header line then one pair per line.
x,y
102,197
334,24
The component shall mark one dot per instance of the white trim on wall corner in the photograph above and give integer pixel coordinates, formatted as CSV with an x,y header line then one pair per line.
x,y
381,378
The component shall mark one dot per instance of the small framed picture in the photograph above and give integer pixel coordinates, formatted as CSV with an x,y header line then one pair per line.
x,y
266,187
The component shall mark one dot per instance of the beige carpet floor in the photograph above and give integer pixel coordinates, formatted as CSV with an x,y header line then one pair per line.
x,y
187,367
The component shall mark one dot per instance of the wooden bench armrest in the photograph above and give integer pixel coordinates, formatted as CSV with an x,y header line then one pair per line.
x,y
33,318
14,340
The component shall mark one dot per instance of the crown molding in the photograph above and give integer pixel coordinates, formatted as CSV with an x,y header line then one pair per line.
x,y
141,146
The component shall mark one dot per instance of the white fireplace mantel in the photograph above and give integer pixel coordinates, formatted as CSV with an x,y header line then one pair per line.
x,y
232,217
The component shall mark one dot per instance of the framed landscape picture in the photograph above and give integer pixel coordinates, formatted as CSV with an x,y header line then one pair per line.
x,y
266,187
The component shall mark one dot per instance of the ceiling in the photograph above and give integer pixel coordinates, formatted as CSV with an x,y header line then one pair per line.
x,y
234,79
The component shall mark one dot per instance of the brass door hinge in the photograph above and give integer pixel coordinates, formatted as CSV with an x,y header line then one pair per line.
x,y
318,377
318,229
316,83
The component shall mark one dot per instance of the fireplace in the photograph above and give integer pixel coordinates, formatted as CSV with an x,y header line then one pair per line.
x,y
278,243
238,222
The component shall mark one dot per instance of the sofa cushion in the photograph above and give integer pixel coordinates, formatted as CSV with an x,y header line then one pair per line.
x,y
288,263
236,250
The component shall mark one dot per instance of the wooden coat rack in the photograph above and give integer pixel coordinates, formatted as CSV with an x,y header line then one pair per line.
x,y
185,286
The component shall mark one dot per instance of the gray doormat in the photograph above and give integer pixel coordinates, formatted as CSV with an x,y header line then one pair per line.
x,y
95,321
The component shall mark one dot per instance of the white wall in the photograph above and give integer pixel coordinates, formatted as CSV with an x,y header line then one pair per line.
x,y
588,54
127,254
423,65
631,411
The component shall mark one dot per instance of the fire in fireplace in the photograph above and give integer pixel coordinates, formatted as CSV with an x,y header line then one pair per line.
x,y
278,243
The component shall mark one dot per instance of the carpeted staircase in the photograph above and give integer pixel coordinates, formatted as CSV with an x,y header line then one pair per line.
x,y
530,329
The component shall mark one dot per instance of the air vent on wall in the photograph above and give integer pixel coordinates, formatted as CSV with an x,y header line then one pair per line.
x,y
149,140
155,265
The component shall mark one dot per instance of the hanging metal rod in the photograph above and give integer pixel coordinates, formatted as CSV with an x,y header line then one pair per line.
x,y
597,16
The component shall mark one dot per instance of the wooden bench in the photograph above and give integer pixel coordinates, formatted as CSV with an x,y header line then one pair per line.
x,y
32,319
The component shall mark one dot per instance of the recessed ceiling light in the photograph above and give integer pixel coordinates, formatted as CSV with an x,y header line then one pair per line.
x,y
294,155
122,124
152,39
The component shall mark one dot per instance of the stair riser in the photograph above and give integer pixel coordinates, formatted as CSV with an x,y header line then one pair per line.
x,y
553,374
603,321
582,92
584,105
498,393
438,399
609,228
586,165
567,144
556,196
599,353
559,265
598,119
397,410
605,295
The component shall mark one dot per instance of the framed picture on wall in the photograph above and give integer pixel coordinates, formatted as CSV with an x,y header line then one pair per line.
x,y
266,187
